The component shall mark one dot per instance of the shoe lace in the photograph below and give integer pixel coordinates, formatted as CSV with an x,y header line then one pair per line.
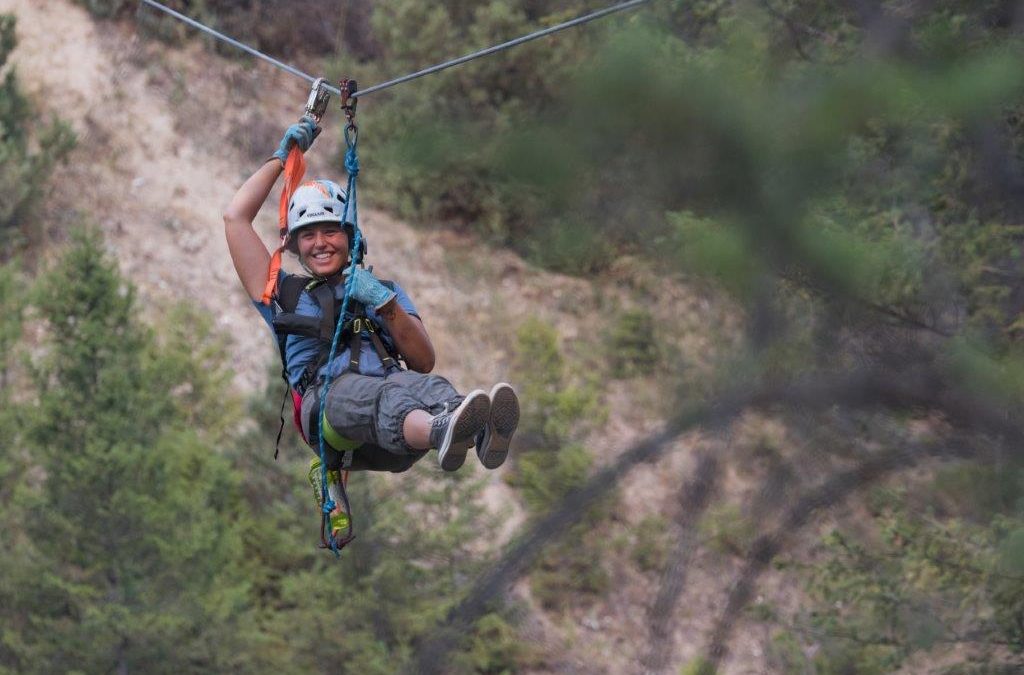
x,y
440,420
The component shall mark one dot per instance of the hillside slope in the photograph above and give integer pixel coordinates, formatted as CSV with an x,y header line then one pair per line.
x,y
166,135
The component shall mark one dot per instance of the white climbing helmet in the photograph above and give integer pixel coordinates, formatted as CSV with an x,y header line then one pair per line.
x,y
316,201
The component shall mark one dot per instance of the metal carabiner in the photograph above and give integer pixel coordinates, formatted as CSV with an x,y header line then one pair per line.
x,y
319,97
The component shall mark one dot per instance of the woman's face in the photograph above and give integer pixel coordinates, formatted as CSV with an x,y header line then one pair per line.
x,y
323,248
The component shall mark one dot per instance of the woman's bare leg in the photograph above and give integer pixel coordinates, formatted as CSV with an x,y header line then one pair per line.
x,y
416,428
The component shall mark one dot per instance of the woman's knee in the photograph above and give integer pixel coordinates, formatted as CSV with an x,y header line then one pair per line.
x,y
430,391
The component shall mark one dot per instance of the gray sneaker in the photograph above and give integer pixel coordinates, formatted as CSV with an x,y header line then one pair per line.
x,y
452,433
492,441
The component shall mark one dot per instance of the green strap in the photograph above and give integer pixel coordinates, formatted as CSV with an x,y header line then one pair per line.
x,y
336,440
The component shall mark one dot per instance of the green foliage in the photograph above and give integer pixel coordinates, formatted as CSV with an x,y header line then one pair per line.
x,y
13,463
411,561
995,378
189,362
651,544
550,463
914,582
13,297
128,541
860,179
105,8
495,649
545,477
441,137
571,573
715,251
632,343
978,492
969,668
29,148
728,530
785,655
1005,582
553,406
698,666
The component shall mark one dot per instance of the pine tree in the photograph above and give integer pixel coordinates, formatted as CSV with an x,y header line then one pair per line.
x,y
132,559
13,463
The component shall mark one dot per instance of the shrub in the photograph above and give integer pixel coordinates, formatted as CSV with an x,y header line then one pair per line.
x,y
554,408
728,530
557,413
651,546
544,477
23,172
632,343
495,648
12,306
443,138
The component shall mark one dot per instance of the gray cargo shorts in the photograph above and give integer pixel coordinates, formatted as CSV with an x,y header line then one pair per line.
x,y
372,409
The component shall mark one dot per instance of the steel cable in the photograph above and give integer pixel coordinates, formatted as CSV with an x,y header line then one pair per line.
x,y
578,21
240,45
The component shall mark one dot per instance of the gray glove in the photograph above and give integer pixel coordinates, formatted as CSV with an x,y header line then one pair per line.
x,y
367,290
301,134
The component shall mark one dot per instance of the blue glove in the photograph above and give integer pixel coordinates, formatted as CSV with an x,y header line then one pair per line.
x,y
301,134
367,290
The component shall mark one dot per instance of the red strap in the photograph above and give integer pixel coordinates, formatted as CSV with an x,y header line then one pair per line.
x,y
297,412
294,170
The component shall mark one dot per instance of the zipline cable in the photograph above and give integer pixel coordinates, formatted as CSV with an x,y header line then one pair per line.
x,y
504,45
244,47
586,18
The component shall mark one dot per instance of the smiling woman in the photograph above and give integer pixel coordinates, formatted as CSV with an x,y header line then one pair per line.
x,y
321,248
315,239
376,415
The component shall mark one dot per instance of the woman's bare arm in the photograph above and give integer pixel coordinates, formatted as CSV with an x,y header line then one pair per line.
x,y
248,252
410,337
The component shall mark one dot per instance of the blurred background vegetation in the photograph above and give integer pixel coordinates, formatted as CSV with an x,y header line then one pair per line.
x,y
848,175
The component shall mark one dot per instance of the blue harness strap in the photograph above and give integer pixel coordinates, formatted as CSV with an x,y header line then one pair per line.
x,y
351,217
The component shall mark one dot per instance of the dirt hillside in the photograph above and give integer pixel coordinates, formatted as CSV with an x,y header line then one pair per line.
x,y
166,134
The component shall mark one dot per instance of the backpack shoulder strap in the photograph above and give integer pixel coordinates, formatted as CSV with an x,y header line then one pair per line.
x,y
324,296
289,290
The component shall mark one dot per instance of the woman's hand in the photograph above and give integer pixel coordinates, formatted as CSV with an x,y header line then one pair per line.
x,y
367,290
301,134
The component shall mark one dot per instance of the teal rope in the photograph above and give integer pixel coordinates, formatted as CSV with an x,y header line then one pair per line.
x,y
351,217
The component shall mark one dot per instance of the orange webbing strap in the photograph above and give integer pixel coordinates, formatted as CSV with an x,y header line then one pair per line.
x,y
294,170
